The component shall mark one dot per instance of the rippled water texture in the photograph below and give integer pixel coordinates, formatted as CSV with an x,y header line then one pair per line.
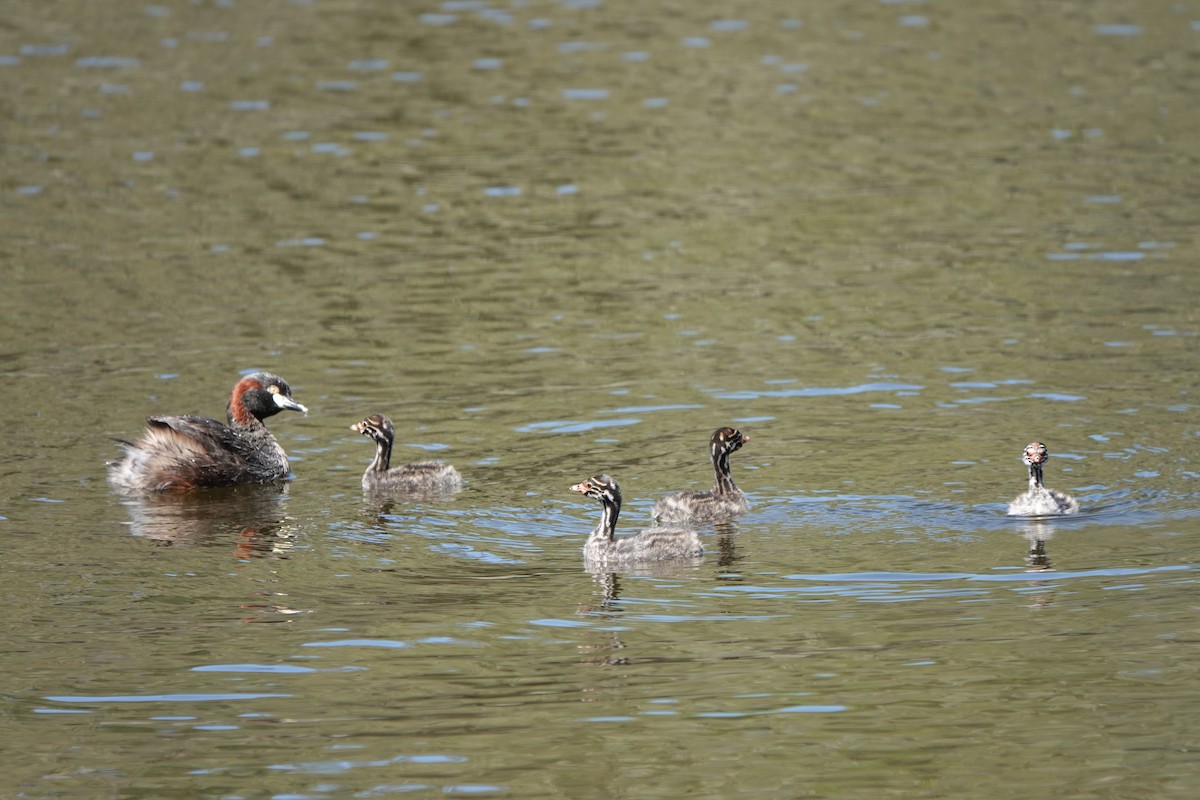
x,y
893,242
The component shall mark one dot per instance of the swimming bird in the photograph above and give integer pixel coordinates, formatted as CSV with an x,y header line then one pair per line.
x,y
189,452
422,477
1039,501
724,501
653,544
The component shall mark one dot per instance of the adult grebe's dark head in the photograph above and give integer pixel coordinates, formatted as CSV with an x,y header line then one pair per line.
x,y
258,396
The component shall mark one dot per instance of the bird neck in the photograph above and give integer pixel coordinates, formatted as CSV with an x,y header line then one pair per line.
x,y
238,414
239,418
609,511
1035,477
383,456
720,461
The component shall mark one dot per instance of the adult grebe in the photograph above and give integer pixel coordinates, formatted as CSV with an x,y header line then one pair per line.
x,y
186,452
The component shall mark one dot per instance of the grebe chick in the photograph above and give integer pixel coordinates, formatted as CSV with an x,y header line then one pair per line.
x,y
652,544
423,477
724,501
1039,501
179,453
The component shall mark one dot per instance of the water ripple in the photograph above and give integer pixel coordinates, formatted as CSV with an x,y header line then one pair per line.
x,y
1117,30
338,766
107,62
585,94
820,391
574,426
646,409
890,578
186,697
272,669
386,643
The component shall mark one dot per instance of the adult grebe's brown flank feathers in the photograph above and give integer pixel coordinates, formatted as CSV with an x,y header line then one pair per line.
x,y
189,452
724,501
1038,501
652,544
422,477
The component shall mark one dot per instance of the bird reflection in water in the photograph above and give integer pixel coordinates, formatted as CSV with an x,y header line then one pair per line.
x,y
252,519
1037,534
607,579
601,647
727,552
382,509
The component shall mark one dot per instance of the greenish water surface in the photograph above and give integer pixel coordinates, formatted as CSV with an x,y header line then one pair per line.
x,y
892,241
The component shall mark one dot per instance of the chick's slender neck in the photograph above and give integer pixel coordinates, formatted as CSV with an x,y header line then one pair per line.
x,y
610,509
383,453
1035,476
720,461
